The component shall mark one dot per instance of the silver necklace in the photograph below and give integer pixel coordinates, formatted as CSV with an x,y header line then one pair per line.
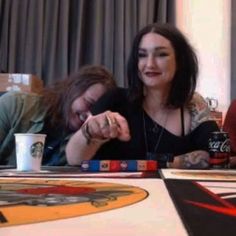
x,y
152,155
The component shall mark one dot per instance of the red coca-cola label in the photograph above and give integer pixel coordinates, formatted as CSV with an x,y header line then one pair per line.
x,y
219,146
219,149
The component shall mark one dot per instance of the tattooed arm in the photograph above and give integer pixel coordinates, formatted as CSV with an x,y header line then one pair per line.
x,y
192,160
198,159
199,111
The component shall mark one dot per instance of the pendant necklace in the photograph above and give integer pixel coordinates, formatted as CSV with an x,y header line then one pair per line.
x,y
152,155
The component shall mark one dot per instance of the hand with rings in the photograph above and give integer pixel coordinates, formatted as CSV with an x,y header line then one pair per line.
x,y
108,125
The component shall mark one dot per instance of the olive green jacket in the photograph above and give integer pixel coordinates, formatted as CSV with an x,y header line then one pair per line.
x,y
20,113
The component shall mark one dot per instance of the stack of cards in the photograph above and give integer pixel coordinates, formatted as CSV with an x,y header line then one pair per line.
x,y
118,165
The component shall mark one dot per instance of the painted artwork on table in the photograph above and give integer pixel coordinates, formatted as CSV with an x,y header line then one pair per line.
x,y
87,206
221,174
206,207
24,201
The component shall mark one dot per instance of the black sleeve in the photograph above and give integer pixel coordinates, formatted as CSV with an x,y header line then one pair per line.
x,y
200,136
111,101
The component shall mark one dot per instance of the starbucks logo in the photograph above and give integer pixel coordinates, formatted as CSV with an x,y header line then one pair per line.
x,y
36,149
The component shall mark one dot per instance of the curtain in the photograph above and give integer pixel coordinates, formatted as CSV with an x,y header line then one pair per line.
x,y
53,38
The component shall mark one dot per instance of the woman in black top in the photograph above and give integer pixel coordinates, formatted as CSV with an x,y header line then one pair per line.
x,y
160,115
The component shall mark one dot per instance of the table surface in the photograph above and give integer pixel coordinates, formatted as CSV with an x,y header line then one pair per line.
x,y
65,201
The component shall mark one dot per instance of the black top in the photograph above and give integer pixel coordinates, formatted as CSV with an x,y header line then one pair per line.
x,y
136,148
55,139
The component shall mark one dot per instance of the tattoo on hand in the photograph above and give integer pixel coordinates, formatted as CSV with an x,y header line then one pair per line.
x,y
194,160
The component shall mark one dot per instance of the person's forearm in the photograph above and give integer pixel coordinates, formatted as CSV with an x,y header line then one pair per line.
x,y
96,131
78,148
192,160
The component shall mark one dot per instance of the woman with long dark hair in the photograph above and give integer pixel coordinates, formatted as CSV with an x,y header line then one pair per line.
x,y
160,116
58,111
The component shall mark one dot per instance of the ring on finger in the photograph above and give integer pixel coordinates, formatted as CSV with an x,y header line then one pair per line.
x,y
111,120
107,122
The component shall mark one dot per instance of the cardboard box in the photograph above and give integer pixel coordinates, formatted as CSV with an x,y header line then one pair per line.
x,y
20,82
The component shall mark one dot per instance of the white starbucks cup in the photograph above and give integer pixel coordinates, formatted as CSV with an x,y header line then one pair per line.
x,y
29,151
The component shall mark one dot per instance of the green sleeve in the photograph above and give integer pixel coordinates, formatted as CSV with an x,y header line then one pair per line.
x,y
7,112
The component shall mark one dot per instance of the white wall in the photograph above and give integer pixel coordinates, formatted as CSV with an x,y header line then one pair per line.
x,y
207,26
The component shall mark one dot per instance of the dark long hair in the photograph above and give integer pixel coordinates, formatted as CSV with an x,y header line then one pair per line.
x,y
185,78
59,97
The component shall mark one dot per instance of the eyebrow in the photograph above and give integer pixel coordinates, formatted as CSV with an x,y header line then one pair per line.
x,y
156,48
90,100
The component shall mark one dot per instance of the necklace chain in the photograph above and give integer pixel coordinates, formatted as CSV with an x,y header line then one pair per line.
x,y
149,155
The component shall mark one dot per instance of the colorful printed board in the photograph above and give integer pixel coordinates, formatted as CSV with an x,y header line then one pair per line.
x,y
206,207
101,206
224,175
205,199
